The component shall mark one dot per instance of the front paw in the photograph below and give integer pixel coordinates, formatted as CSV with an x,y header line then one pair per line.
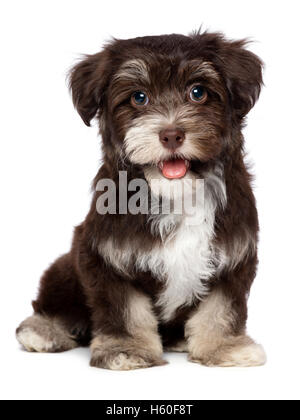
x,y
124,354
123,361
245,355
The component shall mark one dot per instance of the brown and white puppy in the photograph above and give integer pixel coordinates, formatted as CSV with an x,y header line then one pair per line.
x,y
170,108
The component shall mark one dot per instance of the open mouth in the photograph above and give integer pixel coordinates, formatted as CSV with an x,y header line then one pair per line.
x,y
174,168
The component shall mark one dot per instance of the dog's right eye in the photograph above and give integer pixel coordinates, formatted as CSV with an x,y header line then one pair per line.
x,y
139,98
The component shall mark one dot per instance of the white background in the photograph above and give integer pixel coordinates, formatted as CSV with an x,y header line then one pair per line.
x,y
49,158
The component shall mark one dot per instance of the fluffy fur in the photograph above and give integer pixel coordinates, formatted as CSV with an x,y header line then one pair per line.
x,y
133,283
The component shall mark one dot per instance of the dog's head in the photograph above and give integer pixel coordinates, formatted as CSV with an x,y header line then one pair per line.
x,y
168,101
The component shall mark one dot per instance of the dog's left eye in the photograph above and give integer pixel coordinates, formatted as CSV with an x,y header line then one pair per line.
x,y
198,94
139,98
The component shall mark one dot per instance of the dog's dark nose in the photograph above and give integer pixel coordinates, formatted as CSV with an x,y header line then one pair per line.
x,y
172,138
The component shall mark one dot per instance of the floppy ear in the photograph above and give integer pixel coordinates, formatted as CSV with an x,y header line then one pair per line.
x,y
243,73
87,82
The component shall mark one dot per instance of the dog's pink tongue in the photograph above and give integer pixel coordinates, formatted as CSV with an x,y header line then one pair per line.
x,y
174,169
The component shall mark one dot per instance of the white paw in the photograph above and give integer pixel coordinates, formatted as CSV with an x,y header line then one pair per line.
x,y
33,342
245,356
127,362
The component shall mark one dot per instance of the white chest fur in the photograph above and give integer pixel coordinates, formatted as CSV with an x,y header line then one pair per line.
x,y
184,263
